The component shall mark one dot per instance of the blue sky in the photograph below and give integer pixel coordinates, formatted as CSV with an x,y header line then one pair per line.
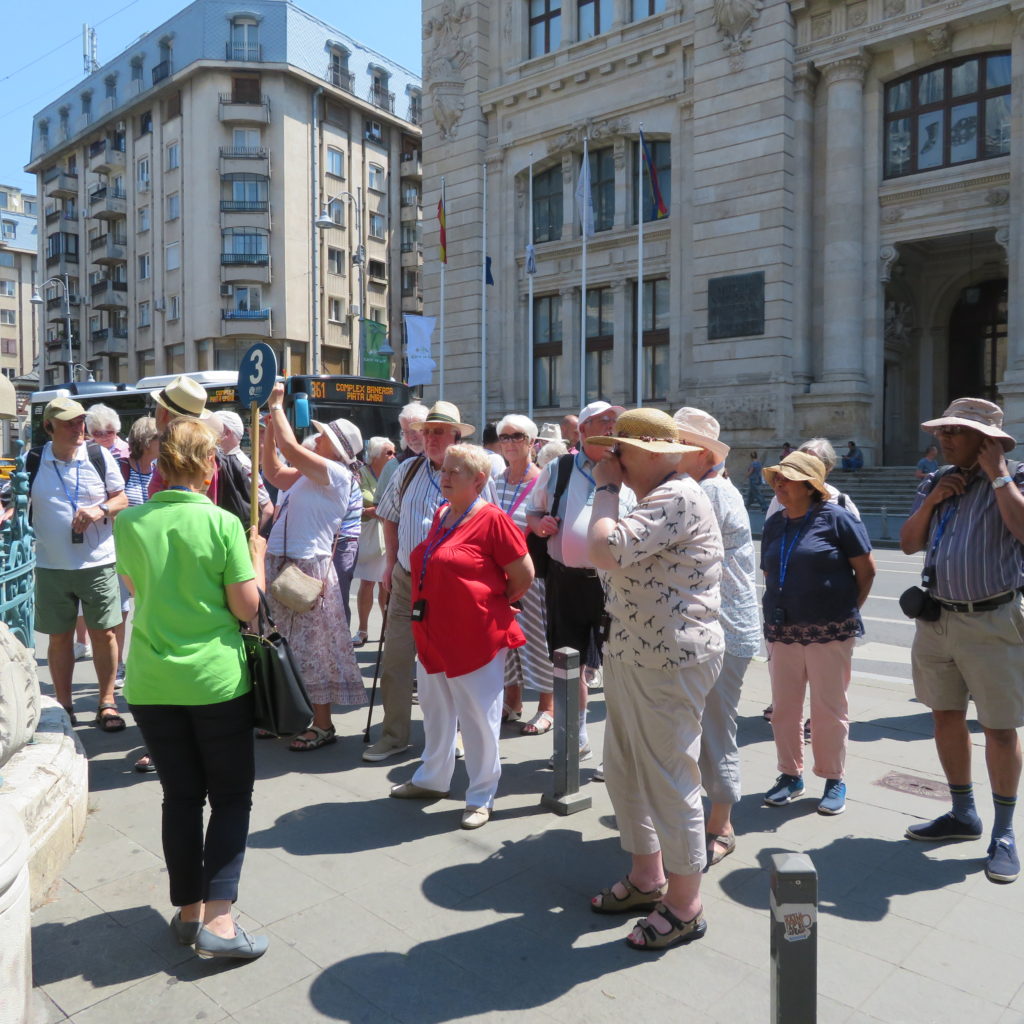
x,y
44,51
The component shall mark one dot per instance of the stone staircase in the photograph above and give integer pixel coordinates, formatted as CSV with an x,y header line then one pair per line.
x,y
878,487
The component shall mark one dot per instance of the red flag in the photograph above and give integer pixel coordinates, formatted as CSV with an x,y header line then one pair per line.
x,y
444,233
659,210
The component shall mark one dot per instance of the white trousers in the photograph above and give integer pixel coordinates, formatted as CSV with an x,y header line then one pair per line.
x,y
472,702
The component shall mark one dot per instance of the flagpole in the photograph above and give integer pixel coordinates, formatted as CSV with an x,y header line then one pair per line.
x,y
483,308
444,267
583,284
640,268
529,299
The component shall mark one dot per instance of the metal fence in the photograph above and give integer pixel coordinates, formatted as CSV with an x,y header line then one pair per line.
x,y
18,562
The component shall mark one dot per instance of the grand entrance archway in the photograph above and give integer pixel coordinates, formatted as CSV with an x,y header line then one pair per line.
x,y
978,341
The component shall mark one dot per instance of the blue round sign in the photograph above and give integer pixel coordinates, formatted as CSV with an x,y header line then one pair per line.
x,y
256,374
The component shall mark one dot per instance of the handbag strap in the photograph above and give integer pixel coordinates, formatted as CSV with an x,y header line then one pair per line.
x,y
522,497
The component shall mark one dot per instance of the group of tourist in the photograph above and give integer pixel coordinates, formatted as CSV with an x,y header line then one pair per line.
x,y
647,568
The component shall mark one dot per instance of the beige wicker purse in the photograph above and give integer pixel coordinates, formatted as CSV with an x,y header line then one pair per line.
x,y
295,589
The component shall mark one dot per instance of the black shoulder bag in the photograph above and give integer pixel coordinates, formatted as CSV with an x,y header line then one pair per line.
x,y
281,702
537,545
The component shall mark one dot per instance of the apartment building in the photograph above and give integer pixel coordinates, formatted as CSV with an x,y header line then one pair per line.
x,y
835,251
230,178
19,247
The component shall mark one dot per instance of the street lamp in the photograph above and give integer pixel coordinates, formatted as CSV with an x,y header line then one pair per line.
x,y
326,221
37,300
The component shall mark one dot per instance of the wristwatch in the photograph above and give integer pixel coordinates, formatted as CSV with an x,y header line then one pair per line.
x,y
105,509
1001,481
613,488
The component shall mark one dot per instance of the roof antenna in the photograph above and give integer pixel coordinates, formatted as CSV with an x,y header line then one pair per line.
x,y
89,61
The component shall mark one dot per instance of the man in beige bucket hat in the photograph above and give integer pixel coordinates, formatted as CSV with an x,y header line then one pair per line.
x,y
968,518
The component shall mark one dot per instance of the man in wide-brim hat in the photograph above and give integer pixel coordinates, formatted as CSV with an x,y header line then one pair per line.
x,y
968,517
663,564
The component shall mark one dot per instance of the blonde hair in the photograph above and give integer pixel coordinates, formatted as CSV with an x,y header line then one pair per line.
x,y
185,449
471,456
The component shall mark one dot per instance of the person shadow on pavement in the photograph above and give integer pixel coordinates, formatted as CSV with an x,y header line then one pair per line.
x,y
542,947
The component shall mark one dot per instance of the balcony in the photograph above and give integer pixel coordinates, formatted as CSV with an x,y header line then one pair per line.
x,y
63,261
245,314
411,164
161,71
56,304
410,214
111,295
60,185
243,51
245,321
104,158
244,206
52,216
244,259
412,302
107,203
415,114
234,109
106,249
382,98
111,341
340,78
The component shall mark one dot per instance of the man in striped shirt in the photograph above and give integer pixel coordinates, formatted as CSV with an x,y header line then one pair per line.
x,y
968,518
406,510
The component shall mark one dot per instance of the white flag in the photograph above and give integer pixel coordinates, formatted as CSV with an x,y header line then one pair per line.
x,y
584,202
418,330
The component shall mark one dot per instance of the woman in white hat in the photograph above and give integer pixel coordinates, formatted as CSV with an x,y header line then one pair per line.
x,y
740,619
315,488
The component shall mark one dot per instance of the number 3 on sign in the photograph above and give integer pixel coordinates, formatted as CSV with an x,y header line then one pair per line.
x,y
256,374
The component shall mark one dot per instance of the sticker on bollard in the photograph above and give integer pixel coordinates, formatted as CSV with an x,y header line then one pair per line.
x,y
256,374
798,918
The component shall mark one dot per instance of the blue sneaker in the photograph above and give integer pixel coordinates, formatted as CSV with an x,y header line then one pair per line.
x,y
1003,863
834,800
948,826
786,788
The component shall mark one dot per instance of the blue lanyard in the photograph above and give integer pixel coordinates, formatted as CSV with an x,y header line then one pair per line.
x,y
433,482
442,535
504,493
713,469
941,528
593,482
73,502
786,553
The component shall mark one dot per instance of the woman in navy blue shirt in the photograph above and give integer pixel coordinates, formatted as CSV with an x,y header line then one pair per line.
x,y
818,571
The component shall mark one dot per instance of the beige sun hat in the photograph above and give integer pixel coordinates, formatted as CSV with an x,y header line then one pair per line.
x,y
701,428
184,397
447,414
648,429
800,466
550,432
62,409
344,435
978,414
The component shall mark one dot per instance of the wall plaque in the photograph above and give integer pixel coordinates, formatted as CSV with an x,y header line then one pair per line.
x,y
736,305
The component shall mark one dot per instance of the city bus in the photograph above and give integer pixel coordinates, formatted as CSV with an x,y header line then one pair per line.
x,y
369,402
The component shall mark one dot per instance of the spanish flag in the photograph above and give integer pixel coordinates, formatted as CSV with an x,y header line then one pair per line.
x,y
444,233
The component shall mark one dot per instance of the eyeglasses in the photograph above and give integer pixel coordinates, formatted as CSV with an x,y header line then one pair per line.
x,y
953,430
511,437
435,431
104,433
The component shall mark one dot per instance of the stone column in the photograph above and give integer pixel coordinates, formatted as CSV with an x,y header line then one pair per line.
x,y
568,196
1012,388
804,81
843,354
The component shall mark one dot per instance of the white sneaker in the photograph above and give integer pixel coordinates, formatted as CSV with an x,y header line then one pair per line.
x,y
83,652
594,678
460,750
119,678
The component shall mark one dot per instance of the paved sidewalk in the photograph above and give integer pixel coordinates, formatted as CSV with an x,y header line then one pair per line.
x,y
384,911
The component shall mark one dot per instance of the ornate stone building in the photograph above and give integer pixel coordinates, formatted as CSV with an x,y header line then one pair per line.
x,y
839,178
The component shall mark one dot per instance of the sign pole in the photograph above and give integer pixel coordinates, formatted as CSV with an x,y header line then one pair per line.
x,y
254,481
257,373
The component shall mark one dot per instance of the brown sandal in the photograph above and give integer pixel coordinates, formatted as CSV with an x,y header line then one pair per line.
x,y
728,843
635,899
679,934
109,723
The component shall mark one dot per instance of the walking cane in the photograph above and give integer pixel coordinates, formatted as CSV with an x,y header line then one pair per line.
x,y
376,671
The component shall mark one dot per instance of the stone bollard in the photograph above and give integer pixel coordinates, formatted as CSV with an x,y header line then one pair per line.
x,y
885,523
15,932
565,797
794,939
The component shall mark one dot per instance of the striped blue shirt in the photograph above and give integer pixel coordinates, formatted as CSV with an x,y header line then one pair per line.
x,y
421,500
977,557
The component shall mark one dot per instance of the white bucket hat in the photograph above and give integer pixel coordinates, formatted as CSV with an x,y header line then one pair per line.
x,y
701,428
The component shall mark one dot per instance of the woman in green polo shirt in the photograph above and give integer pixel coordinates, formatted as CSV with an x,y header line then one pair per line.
x,y
188,565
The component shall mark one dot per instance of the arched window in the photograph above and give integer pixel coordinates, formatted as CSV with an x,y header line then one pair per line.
x,y
948,114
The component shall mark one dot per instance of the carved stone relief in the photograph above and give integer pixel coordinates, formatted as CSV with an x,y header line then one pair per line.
x,y
572,138
899,320
940,40
891,214
734,20
445,65
856,15
821,26
1003,240
893,8
888,254
997,197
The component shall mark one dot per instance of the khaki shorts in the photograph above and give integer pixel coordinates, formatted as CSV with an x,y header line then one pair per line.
x,y
59,591
980,654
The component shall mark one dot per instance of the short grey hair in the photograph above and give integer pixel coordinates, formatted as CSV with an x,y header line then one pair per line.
x,y
375,446
520,424
472,456
101,416
822,448
552,450
414,412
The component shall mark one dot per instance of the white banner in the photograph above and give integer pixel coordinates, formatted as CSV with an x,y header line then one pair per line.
x,y
418,331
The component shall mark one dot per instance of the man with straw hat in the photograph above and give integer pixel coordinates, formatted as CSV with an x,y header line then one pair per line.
x,y
968,518
663,565
406,511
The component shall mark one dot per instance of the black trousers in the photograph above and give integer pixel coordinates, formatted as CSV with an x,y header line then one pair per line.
x,y
203,752
575,606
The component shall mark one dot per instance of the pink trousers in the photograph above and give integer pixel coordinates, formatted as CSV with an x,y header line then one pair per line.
x,y
826,667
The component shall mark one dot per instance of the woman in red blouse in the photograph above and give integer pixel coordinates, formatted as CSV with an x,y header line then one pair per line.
x,y
465,576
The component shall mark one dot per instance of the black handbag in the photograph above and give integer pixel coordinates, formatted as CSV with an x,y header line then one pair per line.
x,y
916,603
281,702
538,548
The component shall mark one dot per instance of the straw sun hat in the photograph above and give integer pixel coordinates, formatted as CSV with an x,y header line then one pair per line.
x,y
650,430
800,466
